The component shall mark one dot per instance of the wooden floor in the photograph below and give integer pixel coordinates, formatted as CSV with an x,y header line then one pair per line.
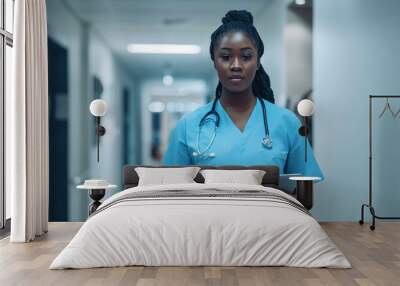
x,y
374,255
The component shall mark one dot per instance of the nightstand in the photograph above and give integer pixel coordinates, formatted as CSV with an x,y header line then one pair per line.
x,y
304,190
96,192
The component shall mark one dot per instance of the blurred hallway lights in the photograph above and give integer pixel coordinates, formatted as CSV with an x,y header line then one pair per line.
x,y
156,107
173,107
179,107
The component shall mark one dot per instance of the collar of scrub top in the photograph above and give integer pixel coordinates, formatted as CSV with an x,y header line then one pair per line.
x,y
267,141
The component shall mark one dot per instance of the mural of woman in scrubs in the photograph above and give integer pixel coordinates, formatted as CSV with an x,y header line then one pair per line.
x,y
242,126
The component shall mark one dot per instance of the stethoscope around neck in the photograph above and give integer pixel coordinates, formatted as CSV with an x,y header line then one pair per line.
x,y
266,141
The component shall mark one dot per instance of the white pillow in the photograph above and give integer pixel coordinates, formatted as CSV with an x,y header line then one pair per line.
x,y
165,176
248,177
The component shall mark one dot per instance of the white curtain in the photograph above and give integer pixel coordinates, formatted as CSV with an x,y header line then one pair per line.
x,y
27,122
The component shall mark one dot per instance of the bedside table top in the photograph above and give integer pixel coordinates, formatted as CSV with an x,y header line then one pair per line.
x,y
87,187
304,178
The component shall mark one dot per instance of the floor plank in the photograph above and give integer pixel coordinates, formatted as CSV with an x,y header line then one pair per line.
x,y
374,255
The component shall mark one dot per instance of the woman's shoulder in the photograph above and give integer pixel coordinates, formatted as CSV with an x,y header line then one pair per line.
x,y
281,112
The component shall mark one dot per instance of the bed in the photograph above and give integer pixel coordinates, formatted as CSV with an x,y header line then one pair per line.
x,y
198,224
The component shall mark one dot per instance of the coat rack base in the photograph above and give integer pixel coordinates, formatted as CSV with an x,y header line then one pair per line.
x,y
374,216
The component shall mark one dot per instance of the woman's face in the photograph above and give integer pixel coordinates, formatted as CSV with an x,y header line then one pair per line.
x,y
236,61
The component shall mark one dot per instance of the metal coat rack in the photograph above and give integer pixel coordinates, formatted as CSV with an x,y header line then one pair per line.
x,y
369,205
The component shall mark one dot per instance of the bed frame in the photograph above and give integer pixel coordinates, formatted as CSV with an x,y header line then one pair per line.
x,y
270,179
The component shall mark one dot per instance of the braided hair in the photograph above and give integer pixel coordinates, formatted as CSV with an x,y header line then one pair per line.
x,y
242,21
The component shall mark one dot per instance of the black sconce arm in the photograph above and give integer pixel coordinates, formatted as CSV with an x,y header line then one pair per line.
x,y
100,131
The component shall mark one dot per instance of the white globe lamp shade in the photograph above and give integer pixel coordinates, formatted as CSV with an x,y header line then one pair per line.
x,y
98,107
306,107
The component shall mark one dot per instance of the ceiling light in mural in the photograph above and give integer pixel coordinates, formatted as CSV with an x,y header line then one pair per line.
x,y
168,79
300,2
163,49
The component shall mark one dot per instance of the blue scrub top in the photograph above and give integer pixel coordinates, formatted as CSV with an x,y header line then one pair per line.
x,y
234,147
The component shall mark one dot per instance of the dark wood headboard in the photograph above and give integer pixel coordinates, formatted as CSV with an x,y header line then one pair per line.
x,y
271,177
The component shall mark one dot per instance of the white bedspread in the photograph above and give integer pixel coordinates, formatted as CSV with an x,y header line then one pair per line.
x,y
200,231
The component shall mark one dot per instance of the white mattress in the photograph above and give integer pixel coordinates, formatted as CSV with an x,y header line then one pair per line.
x,y
200,231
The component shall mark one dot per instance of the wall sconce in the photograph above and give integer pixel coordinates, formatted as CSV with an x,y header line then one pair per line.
x,y
305,108
98,108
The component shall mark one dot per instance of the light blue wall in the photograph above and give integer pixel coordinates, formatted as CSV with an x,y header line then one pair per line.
x,y
356,53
